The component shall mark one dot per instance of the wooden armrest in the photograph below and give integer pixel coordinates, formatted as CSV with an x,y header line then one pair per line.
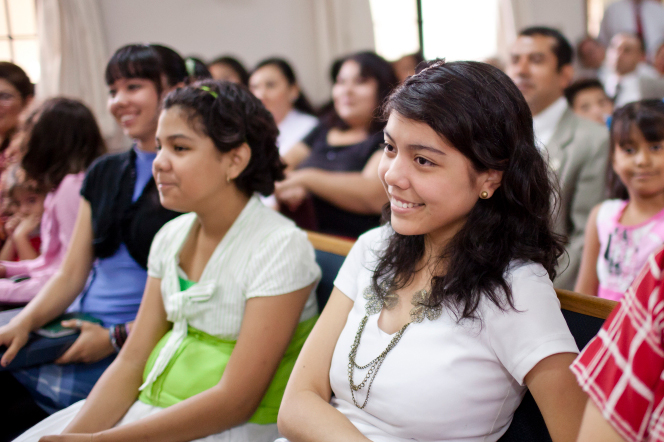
x,y
585,304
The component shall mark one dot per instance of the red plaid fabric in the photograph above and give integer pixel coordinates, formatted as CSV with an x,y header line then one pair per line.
x,y
621,369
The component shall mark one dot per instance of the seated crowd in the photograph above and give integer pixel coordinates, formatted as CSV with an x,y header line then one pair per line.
x,y
472,194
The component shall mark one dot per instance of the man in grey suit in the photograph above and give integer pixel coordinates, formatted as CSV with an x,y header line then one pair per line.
x,y
577,149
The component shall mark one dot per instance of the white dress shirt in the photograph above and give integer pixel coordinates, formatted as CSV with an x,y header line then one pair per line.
x,y
630,84
546,121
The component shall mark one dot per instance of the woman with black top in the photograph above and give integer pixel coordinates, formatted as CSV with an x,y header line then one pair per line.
x,y
337,162
104,271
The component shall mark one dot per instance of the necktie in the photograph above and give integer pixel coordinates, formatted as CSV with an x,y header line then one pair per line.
x,y
617,92
639,21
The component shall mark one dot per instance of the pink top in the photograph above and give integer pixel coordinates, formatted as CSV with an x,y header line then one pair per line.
x,y
56,230
624,250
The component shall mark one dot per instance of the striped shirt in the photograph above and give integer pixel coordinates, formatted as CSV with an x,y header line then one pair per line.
x,y
262,254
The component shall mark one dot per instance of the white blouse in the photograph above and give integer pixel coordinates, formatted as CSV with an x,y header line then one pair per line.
x,y
293,128
445,381
262,254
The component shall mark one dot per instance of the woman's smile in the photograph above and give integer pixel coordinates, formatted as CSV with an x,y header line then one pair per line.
x,y
403,206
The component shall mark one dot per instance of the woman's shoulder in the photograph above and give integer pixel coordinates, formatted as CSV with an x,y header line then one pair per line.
x,y
71,183
373,242
110,161
304,119
175,229
527,270
104,170
260,223
317,137
528,280
179,223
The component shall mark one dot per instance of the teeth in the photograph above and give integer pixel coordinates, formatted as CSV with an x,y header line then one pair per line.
x,y
126,117
404,205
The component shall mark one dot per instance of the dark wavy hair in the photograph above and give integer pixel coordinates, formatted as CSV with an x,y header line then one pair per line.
x,y
648,117
230,115
373,66
302,103
17,78
63,138
479,110
151,62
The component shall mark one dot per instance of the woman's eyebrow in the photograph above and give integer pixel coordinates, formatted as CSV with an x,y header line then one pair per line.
x,y
176,136
427,148
417,146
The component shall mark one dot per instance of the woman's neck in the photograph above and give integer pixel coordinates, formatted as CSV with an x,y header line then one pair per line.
x,y
216,217
281,116
148,144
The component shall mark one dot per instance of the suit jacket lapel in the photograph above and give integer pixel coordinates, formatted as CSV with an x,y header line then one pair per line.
x,y
561,138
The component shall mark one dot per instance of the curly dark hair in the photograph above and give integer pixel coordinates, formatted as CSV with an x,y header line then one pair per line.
x,y
230,115
63,138
648,117
480,111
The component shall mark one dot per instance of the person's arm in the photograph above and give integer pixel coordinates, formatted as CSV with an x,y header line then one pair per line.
x,y
595,428
587,282
21,237
295,155
267,328
305,413
357,192
58,293
558,396
7,251
117,389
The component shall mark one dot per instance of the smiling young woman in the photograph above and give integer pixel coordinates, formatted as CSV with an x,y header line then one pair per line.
x,y
441,319
230,295
336,164
119,214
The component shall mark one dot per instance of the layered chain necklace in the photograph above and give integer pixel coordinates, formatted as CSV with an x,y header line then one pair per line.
x,y
375,304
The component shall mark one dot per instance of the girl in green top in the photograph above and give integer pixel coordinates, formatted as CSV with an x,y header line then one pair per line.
x,y
230,296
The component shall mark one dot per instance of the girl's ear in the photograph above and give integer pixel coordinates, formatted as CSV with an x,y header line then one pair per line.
x,y
493,179
294,93
239,157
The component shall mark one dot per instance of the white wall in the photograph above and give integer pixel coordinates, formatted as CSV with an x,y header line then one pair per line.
x,y
568,16
255,29
248,29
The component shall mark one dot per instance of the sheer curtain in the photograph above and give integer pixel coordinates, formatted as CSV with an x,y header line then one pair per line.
x,y
509,23
342,27
73,55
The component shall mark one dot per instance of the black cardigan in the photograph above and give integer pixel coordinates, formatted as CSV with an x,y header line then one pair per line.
x,y
108,187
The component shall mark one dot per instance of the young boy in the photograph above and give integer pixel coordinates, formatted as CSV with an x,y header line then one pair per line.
x,y
588,100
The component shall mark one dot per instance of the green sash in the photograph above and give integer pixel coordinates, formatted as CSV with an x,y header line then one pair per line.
x,y
200,361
